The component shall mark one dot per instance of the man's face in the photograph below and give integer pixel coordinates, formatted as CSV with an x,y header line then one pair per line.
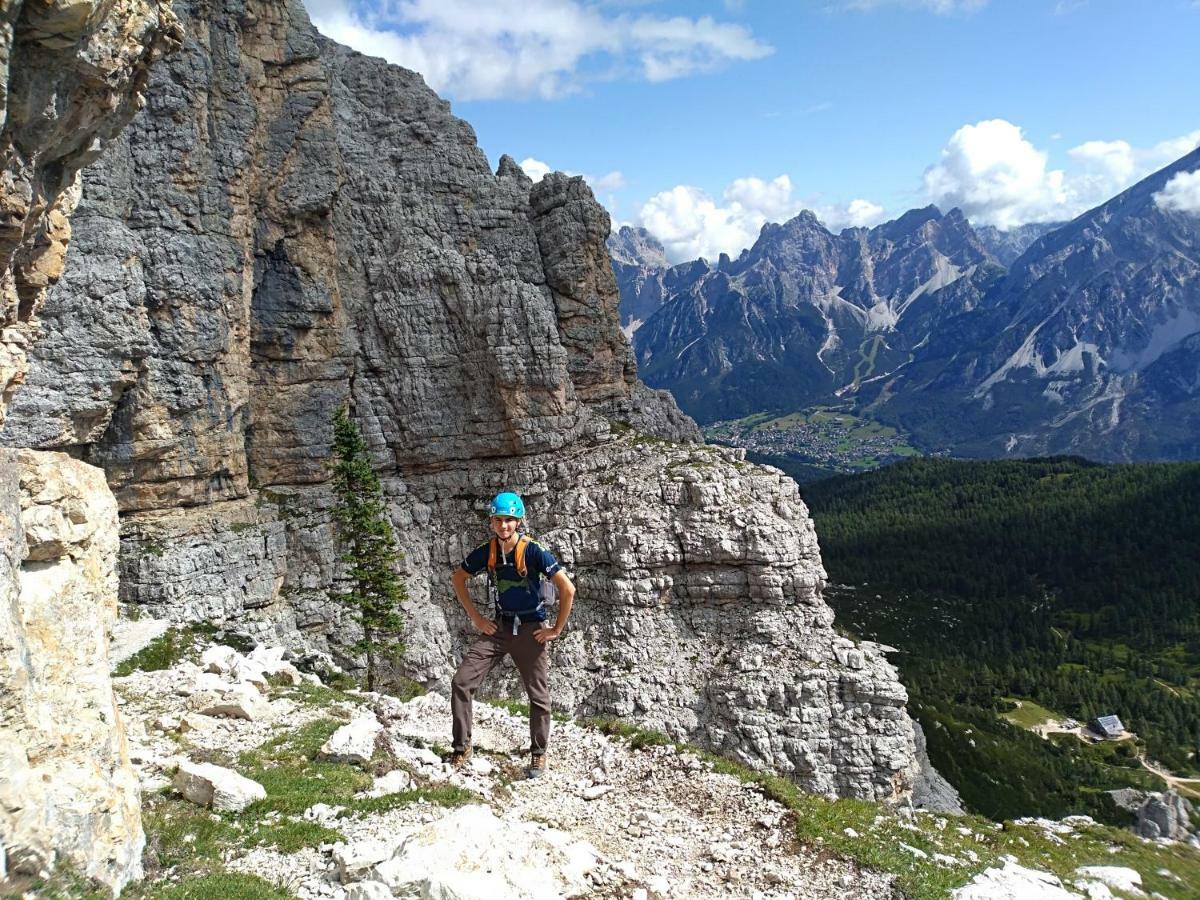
x,y
504,526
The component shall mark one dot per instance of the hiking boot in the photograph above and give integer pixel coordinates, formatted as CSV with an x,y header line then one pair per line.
x,y
537,766
460,758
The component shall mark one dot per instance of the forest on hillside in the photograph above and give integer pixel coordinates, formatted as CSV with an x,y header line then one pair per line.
x,y
1067,583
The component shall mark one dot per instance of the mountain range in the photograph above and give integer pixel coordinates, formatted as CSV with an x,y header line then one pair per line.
x,y
1080,338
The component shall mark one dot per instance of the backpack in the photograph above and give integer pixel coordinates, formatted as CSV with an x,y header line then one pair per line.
x,y
548,592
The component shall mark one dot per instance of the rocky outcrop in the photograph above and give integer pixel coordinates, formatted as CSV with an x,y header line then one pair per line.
x,y
290,227
72,73
67,790
931,790
1166,815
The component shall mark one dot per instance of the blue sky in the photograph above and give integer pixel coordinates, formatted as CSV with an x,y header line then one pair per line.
x,y
702,120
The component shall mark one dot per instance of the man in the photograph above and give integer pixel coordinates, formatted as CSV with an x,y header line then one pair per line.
x,y
516,567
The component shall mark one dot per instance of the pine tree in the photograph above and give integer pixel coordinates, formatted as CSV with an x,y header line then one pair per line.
x,y
374,591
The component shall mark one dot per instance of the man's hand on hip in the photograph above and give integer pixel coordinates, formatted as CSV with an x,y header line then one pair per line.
x,y
487,626
544,634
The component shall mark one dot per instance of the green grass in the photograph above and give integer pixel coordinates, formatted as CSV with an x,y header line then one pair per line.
x,y
517,708
172,646
1028,715
220,886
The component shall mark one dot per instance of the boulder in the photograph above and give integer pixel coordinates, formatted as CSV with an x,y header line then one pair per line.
x,y
355,859
354,742
1120,878
241,701
216,787
393,782
1165,815
1013,881
471,854
219,659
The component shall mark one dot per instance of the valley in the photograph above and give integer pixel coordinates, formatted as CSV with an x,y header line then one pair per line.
x,y
1025,592
817,442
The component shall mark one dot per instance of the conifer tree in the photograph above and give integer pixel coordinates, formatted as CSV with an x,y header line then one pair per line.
x,y
374,592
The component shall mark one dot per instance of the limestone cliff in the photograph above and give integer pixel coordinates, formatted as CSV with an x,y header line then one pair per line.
x,y
67,790
290,226
72,74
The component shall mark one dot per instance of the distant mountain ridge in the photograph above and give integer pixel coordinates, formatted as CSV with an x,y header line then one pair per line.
x,y
805,314
1087,341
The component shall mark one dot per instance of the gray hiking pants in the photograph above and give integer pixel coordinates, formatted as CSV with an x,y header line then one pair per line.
x,y
533,662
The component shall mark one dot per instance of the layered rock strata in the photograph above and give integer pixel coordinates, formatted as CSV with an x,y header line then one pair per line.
x,y
72,74
67,790
290,227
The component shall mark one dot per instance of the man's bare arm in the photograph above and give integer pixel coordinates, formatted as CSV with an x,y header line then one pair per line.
x,y
566,596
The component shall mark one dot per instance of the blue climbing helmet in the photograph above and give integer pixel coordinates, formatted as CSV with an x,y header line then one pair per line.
x,y
507,504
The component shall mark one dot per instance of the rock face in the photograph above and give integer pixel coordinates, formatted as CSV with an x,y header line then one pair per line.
x,y
67,789
290,227
1166,815
71,76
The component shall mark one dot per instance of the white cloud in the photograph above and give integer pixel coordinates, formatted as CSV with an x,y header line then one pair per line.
x,y
691,224
998,177
1181,193
855,214
607,183
535,168
531,48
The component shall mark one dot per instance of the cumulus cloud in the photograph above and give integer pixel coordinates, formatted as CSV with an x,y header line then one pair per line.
x,y
531,48
998,177
995,176
692,224
607,183
855,214
1181,193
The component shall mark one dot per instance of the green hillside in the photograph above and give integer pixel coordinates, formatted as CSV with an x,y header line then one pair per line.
x,y
1069,584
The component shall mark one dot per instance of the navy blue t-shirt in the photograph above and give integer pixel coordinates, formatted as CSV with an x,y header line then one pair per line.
x,y
519,596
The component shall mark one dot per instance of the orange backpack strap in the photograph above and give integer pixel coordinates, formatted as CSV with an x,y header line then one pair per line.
x,y
519,554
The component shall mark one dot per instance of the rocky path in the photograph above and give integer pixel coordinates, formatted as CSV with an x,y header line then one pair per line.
x,y
661,819
607,820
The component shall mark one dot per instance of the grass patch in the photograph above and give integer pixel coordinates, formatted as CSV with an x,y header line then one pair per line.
x,y
437,795
173,646
221,886
405,689
1028,715
639,738
517,708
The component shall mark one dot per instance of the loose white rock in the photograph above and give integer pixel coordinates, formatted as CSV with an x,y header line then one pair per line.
x,y
393,782
354,742
1014,882
1118,877
216,787
219,659
470,854
596,791
355,859
241,701
368,890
